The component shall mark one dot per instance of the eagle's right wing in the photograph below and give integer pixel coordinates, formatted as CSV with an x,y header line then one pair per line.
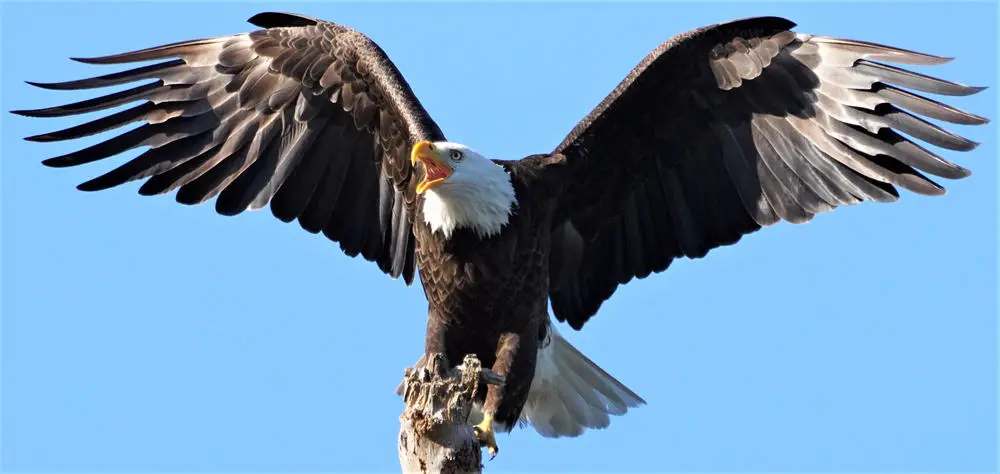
x,y
309,116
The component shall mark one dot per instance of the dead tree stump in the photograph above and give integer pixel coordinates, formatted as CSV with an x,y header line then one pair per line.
x,y
434,433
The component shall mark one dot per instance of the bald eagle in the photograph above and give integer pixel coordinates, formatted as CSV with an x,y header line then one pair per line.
x,y
717,133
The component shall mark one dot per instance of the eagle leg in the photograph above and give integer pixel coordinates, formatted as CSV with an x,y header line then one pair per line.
x,y
435,356
484,433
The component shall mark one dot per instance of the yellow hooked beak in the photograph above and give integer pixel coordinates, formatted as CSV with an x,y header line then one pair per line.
x,y
436,170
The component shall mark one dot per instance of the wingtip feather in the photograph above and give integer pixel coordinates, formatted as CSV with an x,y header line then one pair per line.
x,y
57,162
91,60
42,138
280,19
41,85
91,186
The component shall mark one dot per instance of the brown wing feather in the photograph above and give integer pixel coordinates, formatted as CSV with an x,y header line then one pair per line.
x,y
309,116
728,128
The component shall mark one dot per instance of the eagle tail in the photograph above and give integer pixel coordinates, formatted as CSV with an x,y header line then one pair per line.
x,y
571,393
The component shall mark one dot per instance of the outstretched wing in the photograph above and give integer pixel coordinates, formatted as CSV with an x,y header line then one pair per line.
x,y
309,116
732,127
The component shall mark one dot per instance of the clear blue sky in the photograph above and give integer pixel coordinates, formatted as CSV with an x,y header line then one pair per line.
x,y
141,335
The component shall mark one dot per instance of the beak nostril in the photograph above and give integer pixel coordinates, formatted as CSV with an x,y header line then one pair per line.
x,y
430,146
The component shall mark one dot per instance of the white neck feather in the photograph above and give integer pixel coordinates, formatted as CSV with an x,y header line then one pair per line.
x,y
482,204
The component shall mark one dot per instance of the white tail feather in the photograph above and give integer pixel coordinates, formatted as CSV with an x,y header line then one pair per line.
x,y
569,392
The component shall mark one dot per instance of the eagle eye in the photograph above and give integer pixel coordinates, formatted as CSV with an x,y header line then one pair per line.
x,y
456,155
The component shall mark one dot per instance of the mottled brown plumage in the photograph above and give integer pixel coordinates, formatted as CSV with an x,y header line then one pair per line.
x,y
489,296
715,134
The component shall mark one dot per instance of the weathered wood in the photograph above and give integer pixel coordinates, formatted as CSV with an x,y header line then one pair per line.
x,y
434,433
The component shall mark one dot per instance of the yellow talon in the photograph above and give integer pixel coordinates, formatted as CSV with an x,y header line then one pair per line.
x,y
484,433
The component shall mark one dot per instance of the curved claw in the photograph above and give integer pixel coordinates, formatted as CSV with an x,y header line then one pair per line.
x,y
484,433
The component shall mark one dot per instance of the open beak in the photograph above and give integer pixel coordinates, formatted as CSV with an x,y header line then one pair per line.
x,y
436,170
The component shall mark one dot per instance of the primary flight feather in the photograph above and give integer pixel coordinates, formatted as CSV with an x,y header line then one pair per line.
x,y
716,133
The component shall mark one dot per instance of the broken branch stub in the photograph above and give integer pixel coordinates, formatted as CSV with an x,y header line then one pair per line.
x,y
434,433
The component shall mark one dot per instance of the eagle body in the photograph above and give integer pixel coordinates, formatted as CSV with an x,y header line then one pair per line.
x,y
487,295
717,133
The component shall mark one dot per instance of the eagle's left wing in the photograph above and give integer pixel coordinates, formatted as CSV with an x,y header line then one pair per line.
x,y
732,127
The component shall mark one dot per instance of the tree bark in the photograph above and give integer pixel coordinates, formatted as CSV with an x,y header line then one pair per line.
x,y
434,433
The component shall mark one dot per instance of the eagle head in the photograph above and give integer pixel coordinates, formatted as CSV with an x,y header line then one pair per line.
x,y
462,188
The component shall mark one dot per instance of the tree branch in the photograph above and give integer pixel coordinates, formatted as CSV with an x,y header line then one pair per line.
x,y
434,433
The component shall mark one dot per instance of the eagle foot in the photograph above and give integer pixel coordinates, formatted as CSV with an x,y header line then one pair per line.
x,y
484,433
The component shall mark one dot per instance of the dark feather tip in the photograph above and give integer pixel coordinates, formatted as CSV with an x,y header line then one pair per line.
x,y
280,20
35,113
43,85
43,138
145,191
90,186
96,60
52,86
58,162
